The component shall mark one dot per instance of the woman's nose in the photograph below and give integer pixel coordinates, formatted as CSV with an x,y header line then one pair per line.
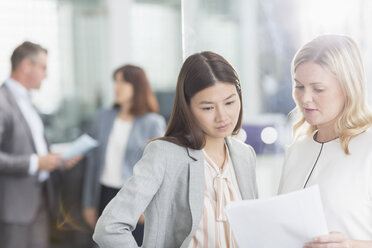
x,y
307,96
220,114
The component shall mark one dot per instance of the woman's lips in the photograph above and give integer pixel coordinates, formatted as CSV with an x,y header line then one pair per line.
x,y
310,111
223,127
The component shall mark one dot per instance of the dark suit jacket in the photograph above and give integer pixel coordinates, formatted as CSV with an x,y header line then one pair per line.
x,y
20,193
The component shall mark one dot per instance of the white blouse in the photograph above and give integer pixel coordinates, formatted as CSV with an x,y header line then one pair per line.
x,y
115,152
345,181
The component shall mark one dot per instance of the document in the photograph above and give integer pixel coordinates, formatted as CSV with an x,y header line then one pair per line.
x,y
287,220
80,146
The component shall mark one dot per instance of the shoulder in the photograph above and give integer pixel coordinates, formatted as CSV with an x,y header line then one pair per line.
x,y
165,152
151,117
241,150
362,140
7,101
152,124
4,94
105,114
302,142
107,111
239,146
165,147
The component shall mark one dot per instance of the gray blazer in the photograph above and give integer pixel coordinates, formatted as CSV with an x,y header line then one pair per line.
x,y
20,193
168,185
144,128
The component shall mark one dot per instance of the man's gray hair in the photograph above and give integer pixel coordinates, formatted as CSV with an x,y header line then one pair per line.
x,y
27,50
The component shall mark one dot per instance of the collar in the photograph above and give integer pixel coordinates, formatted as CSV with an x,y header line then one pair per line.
x,y
17,89
199,155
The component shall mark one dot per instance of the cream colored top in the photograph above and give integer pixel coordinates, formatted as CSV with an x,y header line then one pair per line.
x,y
221,187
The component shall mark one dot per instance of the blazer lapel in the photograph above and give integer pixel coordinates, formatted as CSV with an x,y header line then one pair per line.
x,y
196,188
243,172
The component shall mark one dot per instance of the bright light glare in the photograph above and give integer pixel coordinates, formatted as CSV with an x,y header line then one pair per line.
x,y
269,135
329,16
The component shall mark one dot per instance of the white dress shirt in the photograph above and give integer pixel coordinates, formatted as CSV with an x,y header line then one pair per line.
x,y
23,99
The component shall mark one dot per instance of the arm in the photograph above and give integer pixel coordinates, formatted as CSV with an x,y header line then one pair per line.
x,y
337,240
22,162
10,163
121,215
89,194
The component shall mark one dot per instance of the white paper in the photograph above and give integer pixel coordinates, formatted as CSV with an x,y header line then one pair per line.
x,y
287,220
79,147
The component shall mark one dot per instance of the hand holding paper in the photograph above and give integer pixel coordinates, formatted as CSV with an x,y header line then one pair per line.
x,y
80,146
288,220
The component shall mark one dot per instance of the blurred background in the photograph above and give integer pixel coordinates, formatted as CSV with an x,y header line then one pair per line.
x,y
88,39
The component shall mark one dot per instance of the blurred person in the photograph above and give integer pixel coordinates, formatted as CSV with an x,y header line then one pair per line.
x,y
27,168
333,139
123,132
184,179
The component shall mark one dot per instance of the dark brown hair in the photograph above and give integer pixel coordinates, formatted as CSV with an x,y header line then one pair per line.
x,y
27,50
199,71
144,100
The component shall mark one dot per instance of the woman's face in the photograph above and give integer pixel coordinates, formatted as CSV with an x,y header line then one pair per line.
x,y
123,90
216,109
319,95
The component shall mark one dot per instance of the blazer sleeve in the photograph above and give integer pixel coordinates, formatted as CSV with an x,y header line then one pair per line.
x,y
10,163
120,217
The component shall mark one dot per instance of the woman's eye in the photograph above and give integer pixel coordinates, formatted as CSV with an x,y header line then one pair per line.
x,y
230,103
207,108
300,87
318,90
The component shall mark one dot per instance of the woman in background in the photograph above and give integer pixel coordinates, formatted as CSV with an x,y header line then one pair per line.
x,y
122,132
333,139
185,179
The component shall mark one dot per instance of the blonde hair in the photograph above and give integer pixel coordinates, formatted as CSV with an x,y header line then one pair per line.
x,y
340,56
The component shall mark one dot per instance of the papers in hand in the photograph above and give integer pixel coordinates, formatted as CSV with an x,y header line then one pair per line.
x,y
80,146
287,220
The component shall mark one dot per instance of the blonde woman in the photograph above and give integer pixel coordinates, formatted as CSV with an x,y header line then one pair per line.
x,y
333,139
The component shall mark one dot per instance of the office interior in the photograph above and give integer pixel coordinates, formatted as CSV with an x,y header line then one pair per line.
x,y
88,39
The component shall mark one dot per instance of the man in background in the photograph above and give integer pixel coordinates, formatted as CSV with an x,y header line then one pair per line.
x,y
27,168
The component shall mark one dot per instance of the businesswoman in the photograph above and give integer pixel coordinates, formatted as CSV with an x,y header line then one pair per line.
x,y
333,139
123,132
184,179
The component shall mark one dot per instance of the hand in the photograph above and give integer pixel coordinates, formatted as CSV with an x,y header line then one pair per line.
x,y
90,216
72,162
333,239
49,162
